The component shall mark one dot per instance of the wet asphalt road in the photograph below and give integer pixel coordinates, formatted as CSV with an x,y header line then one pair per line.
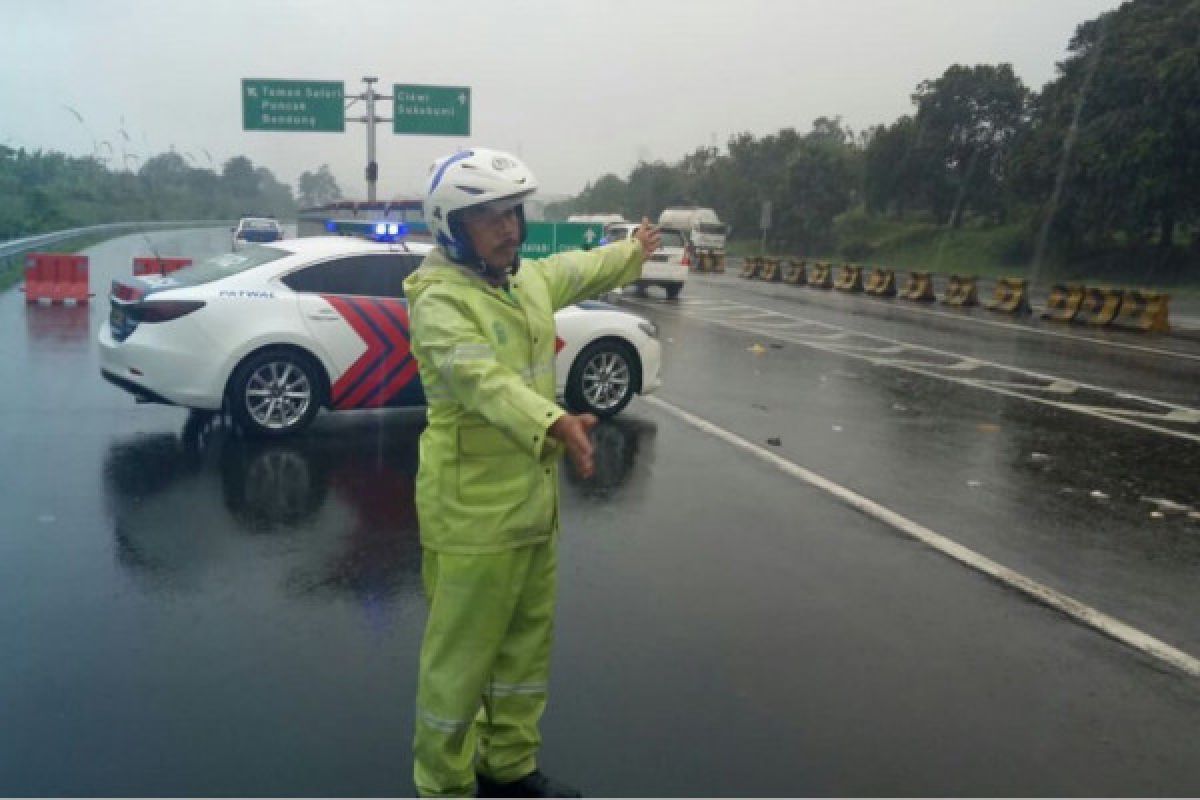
x,y
190,613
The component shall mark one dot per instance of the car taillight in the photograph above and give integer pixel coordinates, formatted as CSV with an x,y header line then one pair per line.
x,y
687,260
559,344
164,310
126,293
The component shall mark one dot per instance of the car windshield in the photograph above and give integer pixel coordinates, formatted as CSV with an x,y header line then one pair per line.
x,y
226,264
710,228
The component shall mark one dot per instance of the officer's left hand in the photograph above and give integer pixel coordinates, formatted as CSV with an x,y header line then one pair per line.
x,y
648,236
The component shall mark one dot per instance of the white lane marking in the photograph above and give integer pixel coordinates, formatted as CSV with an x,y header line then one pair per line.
x,y
829,343
1026,329
1081,612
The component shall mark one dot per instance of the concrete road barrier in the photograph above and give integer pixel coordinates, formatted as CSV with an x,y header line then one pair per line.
x,y
849,279
771,271
821,276
1098,306
1063,303
881,282
1010,296
796,272
1143,311
919,287
751,267
961,290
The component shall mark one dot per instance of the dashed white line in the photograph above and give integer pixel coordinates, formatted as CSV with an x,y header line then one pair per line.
x,y
1081,612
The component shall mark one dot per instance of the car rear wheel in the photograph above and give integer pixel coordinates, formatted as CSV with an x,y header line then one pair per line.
x,y
603,378
673,290
275,393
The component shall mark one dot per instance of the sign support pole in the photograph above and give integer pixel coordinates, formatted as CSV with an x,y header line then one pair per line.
x,y
371,119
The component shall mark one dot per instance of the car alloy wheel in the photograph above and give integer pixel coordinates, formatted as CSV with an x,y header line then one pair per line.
x,y
276,392
603,378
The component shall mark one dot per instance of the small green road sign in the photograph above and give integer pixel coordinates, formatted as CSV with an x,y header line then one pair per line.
x,y
431,110
547,238
310,106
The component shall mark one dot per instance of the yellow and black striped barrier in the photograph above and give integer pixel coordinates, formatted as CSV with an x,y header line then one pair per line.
x,y
1063,303
718,261
919,287
1010,296
1143,311
751,267
821,276
796,272
1098,306
849,279
771,272
961,290
881,282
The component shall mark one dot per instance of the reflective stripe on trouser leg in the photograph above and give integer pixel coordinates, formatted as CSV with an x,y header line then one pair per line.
x,y
515,697
473,604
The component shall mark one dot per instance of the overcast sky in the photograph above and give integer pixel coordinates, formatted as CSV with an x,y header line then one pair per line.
x,y
577,89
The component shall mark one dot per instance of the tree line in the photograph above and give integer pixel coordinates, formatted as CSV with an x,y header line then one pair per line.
x,y
1097,167
46,191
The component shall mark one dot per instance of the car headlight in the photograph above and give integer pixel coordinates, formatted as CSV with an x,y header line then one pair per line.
x,y
649,328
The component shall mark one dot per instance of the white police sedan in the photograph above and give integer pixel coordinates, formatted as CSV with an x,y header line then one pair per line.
x,y
275,332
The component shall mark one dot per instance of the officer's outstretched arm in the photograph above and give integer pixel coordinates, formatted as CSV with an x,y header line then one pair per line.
x,y
577,275
447,341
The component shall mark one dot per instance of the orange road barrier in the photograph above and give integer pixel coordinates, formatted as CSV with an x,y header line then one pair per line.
x,y
961,290
849,279
796,273
1010,296
881,282
1143,311
919,287
56,278
821,276
751,267
772,272
1063,303
158,266
1099,306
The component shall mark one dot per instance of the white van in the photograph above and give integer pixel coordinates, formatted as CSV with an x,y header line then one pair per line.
x,y
666,267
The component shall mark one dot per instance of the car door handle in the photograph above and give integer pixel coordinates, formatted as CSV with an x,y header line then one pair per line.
x,y
325,315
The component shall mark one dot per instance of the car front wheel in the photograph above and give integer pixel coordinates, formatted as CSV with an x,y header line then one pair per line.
x,y
602,379
275,393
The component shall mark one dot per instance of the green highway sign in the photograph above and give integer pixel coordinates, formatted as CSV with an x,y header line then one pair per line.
x,y
270,105
431,110
547,238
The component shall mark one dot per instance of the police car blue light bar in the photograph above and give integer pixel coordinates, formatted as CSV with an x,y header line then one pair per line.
x,y
369,229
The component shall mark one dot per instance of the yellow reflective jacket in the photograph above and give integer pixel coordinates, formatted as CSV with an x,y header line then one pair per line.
x,y
488,479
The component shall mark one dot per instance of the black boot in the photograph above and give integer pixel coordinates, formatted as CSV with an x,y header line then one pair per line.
x,y
535,784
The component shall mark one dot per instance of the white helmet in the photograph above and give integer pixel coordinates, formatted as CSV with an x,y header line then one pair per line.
x,y
470,178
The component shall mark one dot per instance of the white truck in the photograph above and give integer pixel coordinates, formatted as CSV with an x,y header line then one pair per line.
x,y
704,231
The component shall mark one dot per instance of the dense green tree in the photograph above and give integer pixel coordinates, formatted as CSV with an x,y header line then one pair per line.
x,y
1115,151
317,188
966,122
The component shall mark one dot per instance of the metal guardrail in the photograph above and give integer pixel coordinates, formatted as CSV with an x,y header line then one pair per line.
x,y
19,247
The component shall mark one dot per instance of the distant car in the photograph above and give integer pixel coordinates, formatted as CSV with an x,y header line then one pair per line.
x,y
256,230
667,267
278,331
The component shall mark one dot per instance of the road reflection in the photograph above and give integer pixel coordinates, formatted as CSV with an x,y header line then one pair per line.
x,y
336,506
330,513
57,325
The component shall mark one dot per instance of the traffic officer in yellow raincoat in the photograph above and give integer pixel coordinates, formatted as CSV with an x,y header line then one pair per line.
x,y
482,329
